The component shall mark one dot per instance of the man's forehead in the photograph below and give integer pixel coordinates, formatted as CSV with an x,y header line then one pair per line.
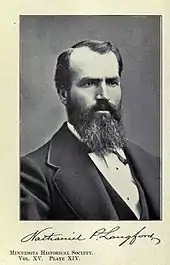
x,y
85,60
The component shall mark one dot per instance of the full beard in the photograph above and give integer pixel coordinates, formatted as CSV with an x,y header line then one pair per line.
x,y
102,132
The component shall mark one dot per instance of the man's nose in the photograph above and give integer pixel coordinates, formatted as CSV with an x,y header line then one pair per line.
x,y
102,91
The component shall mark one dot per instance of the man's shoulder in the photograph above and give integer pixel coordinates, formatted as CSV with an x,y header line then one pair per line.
x,y
40,155
139,150
142,157
35,160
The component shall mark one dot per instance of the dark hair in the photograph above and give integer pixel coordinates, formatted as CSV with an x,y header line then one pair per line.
x,y
63,71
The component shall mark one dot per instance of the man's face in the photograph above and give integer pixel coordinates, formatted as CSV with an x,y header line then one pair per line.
x,y
95,77
94,100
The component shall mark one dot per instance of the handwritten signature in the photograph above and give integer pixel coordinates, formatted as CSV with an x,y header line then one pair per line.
x,y
100,234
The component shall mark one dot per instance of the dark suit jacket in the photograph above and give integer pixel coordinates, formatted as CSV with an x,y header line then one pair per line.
x,y
60,182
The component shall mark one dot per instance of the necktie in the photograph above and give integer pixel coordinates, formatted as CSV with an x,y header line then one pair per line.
x,y
123,160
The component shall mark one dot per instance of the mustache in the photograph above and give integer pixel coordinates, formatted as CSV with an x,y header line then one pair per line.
x,y
105,105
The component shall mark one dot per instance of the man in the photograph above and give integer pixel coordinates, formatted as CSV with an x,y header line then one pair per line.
x,y
88,170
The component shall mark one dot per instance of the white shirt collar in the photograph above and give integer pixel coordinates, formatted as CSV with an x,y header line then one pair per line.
x,y
73,130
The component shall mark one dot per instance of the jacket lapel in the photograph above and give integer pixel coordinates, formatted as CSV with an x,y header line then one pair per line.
x,y
147,170
77,178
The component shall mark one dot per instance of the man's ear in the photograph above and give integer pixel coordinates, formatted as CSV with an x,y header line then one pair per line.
x,y
63,95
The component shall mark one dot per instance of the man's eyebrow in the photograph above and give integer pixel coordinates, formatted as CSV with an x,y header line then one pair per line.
x,y
86,79
115,79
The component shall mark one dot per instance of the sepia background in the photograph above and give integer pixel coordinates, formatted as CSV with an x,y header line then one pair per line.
x,y
42,38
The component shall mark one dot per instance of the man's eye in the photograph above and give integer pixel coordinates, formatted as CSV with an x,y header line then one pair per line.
x,y
112,83
88,84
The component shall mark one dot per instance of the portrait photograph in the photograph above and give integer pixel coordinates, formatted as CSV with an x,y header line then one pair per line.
x,y
85,128
90,117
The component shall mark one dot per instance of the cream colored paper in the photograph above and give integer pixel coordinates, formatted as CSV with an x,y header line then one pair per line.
x,y
12,230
